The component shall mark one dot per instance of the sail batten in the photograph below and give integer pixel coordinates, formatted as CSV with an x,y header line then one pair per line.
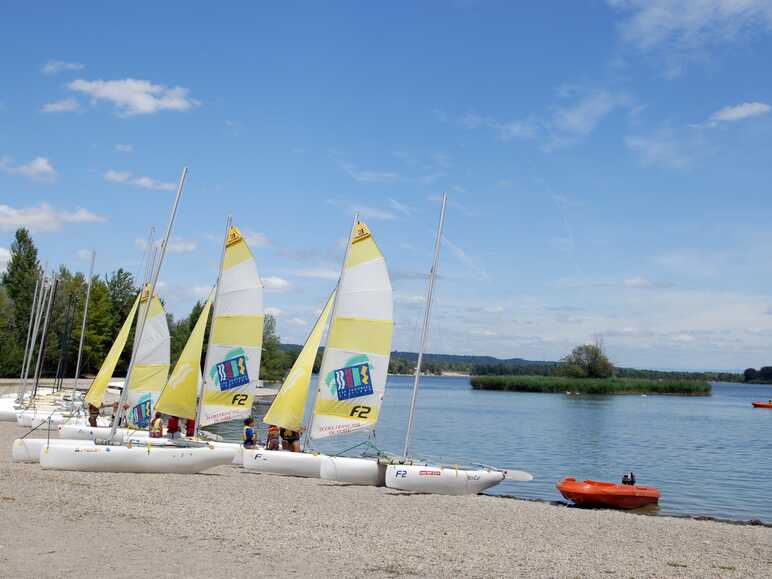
x,y
235,345
352,380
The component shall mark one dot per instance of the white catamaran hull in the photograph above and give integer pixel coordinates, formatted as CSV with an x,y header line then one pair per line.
x,y
355,471
83,431
441,480
135,459
28,449
33,419
282,462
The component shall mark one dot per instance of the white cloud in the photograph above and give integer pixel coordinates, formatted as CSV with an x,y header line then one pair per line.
x,y
576,121
5,257
84,254
318,273
126,178
660,148
275,284
124,148
255,239
57,66
739,112
43,217
275,312
175,245
296,322
468,262
368,176
406,210
373,212
690,23
62,106
134,96
39,168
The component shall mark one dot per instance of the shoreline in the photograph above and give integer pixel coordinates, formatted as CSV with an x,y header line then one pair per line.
x,y
228,522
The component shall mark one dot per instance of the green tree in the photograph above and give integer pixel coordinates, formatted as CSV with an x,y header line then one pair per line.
x,y
19,280
10,352
587,361
272,361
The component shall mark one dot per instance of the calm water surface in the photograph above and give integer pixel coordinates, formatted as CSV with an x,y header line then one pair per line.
x,y
708,455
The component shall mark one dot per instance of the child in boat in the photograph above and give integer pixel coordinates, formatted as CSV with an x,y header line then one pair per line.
x,y
190,427
249,437
93,413
156,426
273,440
290,440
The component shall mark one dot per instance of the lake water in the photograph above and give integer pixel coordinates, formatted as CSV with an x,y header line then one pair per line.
x,y
707,455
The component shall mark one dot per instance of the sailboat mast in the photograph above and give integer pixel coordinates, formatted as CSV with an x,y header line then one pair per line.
x,y
202,386
29,334
44,336
427,314
35,328
332,317
83,324
154,280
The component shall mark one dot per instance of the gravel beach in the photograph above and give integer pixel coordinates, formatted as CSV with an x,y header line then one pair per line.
x,y
232,523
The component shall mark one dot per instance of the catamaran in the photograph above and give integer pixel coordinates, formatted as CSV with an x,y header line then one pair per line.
x,y
352,379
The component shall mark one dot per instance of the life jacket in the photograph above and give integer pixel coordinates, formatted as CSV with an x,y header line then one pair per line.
x,y
273,432
173,425
249,437
157,426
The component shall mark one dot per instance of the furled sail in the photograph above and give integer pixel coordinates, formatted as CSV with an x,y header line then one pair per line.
x,y
352,380
233,357
151,363
96,392
290,403
179,396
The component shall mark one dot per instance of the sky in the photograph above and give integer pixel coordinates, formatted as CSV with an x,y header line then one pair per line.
x,y
607,162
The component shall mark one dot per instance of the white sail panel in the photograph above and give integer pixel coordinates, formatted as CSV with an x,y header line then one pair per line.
x,y
352,380
235,345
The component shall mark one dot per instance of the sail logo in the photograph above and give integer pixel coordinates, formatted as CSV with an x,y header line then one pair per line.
x,y
353,381
232,373
180,375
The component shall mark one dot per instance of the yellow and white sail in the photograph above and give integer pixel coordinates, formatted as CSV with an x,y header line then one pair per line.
x,y
352,380
96,392
179,396
151,362
289,405
233,357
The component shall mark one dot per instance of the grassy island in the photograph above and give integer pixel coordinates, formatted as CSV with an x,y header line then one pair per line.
x,y
561,384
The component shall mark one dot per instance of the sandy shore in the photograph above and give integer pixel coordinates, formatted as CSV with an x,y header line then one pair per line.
x,y
232,523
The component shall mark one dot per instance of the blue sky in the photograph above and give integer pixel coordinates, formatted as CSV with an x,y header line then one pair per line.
x,y
607,162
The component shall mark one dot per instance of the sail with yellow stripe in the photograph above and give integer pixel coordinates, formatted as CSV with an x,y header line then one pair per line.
x,y
179,396
352,380
232,366
151,362
289,405
96,391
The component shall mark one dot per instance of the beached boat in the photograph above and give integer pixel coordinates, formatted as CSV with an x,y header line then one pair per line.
x,y
440,479
590,493
352,379
28,449
134,458
762,404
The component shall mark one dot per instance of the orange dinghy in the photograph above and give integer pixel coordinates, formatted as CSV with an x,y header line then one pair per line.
x,y
762,404
590,493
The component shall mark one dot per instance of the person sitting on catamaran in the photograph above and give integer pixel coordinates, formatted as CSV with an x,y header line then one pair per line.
x,y
156,426
273,439
249,437
93,413
173,427
290,440
190,427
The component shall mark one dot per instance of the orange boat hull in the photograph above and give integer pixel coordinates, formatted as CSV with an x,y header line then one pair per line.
x,y
762,404
590,493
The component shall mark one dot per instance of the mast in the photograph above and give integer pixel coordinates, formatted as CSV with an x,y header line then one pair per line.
x,y
33,342
83,323
427,314
44,336
332,318
202,386
29,334
151,291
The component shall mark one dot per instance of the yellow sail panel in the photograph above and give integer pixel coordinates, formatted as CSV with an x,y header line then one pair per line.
x,y
352,380
233,357
96,392
151,362
290,403
179,395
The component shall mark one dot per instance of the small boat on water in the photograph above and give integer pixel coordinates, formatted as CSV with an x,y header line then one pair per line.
x,y
762,404
590,493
